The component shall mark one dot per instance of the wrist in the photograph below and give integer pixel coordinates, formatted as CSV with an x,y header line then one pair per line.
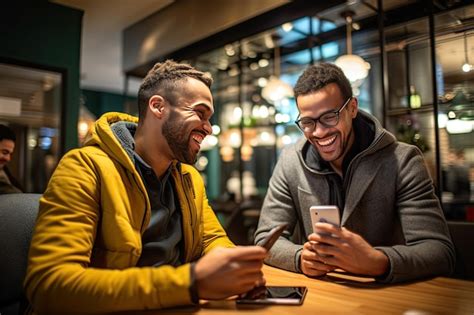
x,y
382,265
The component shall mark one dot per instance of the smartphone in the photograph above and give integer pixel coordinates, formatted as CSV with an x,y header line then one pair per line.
x,y
328,214
272,236
274,295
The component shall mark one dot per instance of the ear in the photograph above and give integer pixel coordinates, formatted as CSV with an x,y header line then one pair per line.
x,y
156,105
354,107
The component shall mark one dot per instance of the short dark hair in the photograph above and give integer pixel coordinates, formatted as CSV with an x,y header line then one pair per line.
x,y
317,76
165,79
6,133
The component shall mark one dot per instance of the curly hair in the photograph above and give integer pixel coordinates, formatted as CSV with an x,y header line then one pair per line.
x,y
7,133
166,79
317,76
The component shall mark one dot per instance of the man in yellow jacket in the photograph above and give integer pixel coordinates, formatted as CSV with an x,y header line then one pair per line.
x,y
125,222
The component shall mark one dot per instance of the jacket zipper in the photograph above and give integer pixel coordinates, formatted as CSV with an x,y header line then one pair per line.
x,y
144,197
184,185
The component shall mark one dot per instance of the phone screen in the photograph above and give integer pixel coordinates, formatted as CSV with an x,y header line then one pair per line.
x,y
274,295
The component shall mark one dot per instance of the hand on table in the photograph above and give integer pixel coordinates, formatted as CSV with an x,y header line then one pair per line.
x,y
347,250
224,272
311,263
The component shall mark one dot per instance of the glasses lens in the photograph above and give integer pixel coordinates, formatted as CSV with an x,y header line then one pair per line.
x,y
329,119
306,124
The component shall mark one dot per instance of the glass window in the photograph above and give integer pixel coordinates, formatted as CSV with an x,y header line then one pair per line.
x,y
30,103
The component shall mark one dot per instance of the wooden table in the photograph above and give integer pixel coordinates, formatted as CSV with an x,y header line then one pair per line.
x,y
352,295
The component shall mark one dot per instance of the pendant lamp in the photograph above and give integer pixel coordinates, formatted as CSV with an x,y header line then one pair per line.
x,y
354,67
466,67
276,90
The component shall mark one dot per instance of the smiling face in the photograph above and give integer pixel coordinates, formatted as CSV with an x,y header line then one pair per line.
x,y
7,147
332,143
188,123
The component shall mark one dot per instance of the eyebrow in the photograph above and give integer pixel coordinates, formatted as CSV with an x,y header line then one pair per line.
x,y
326,112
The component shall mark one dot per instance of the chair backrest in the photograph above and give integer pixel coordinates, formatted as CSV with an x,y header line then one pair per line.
x,y
17,218
243,222
462,234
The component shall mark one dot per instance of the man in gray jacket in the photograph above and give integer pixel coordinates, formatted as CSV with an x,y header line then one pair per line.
x,y
392,225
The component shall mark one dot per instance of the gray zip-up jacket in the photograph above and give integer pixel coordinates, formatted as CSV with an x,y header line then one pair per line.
x,y
389,201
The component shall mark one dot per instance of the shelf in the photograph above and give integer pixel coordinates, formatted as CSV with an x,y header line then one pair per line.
x,y
404,110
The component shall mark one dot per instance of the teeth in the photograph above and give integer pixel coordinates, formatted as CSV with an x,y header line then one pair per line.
x,y
327,142
198,138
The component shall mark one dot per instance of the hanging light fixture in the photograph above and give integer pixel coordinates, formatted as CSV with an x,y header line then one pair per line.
x,y
354,67
276,90
466,67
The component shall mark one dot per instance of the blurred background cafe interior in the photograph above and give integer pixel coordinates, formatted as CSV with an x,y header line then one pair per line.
x,y
63,63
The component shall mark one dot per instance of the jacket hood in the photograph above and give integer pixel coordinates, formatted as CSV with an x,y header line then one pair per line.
x,y
382,138
103,136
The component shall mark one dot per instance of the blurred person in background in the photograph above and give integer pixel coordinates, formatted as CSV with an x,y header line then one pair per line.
x,y
8,184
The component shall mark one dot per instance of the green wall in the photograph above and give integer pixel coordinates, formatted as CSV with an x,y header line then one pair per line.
x,y
44,34
100,102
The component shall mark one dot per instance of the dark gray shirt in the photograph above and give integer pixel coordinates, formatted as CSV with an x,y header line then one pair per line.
x,y
162,240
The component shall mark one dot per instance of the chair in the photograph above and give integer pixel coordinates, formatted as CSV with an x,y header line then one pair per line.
x,y
462,234
243,222
17,218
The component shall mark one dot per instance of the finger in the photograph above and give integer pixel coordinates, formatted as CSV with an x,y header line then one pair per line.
x,y
326,250
324,227
310,236
248,267
327,239
247,253
335,231
309,245
256,276
314,273
318,266
251,282
309,255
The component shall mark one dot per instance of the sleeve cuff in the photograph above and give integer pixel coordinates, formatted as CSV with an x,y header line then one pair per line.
x,y
298,259
387,277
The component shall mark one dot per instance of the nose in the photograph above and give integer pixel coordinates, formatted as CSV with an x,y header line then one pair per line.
x,y
319,130
6,157
207,127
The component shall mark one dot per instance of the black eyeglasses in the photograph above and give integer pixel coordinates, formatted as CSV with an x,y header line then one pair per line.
x,y
330,119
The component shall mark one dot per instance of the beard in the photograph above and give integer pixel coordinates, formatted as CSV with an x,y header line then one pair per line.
x,y
178,139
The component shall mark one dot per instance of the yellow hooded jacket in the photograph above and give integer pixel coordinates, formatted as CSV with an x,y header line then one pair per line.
x,y
87,238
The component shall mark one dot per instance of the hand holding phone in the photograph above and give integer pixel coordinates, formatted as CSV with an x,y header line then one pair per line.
x,y
272,236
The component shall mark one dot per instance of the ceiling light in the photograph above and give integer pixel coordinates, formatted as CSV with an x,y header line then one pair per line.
x,y
354,67
276,89
466,67
253,66
263,63
287,27
262,82
216,130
